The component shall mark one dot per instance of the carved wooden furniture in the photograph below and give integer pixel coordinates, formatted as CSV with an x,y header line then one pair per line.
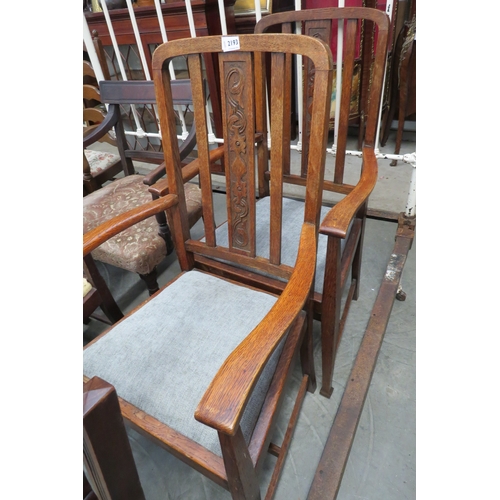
x,y
201,366
403,85
341,239
111,473
142,247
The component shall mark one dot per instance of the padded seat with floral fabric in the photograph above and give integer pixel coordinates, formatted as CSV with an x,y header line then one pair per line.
x,y
99,161
140,248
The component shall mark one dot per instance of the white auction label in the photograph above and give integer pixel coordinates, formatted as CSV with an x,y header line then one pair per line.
x,y
230,43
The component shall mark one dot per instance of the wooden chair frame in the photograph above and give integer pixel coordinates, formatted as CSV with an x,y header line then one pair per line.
x,y
117,93
346,220
225,400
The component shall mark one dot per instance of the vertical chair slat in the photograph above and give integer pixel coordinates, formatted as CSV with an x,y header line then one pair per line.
x,y
237,81
261,122
200,117
287,28
345,103
178,213
321,29
279,144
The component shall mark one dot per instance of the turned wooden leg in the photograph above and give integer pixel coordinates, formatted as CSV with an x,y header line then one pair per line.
x,y
151,281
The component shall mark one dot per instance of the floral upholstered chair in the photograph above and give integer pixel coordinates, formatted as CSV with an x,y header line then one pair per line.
x,y
143,246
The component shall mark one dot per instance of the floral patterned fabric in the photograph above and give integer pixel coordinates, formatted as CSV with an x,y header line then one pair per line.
x,y
139,248
100,160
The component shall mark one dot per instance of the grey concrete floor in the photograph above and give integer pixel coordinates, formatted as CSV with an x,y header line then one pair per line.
x,y
382,460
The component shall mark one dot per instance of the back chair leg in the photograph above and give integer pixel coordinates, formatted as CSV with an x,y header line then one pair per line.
x,y
358,255
307,351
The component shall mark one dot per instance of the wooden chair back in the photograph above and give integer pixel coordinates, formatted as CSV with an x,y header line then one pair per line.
x,y
135,102
322,24
245,150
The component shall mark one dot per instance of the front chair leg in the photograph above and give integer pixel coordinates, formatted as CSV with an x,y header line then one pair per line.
x,y
151,281
330,314
241,476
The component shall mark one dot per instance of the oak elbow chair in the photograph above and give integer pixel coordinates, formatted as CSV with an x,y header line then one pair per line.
x,y
143,246
342,227
201,366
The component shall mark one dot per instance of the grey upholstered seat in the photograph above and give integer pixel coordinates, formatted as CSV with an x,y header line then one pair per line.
x,y
293,217
163,357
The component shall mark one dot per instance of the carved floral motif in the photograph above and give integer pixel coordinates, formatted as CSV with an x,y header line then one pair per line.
x,y
237,128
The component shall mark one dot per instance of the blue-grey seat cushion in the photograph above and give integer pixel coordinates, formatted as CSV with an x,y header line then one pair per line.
x,y
163,357
293,218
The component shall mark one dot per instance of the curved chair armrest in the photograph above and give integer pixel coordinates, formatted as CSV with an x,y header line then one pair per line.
x,y
110,228
155,175
337,220
189,171
225,399
109,122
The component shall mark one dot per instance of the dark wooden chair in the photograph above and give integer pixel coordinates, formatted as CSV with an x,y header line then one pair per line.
x,y
202,366
143,246
342,228
99,167
96,294
402,89
110,470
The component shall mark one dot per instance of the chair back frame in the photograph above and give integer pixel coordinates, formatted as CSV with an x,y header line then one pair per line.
x,y
319,23
245,150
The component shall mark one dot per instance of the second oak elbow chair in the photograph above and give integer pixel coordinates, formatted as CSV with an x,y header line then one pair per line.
x,y
201,367
342,228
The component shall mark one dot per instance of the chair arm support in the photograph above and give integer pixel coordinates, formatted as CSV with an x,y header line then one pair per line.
x,y
110,228
337,220
224,401
109,122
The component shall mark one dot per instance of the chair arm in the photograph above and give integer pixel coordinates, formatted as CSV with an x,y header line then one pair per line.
x,y
337,220
189,171
189,142
224,401
154,175
104,127
97,236
186,147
